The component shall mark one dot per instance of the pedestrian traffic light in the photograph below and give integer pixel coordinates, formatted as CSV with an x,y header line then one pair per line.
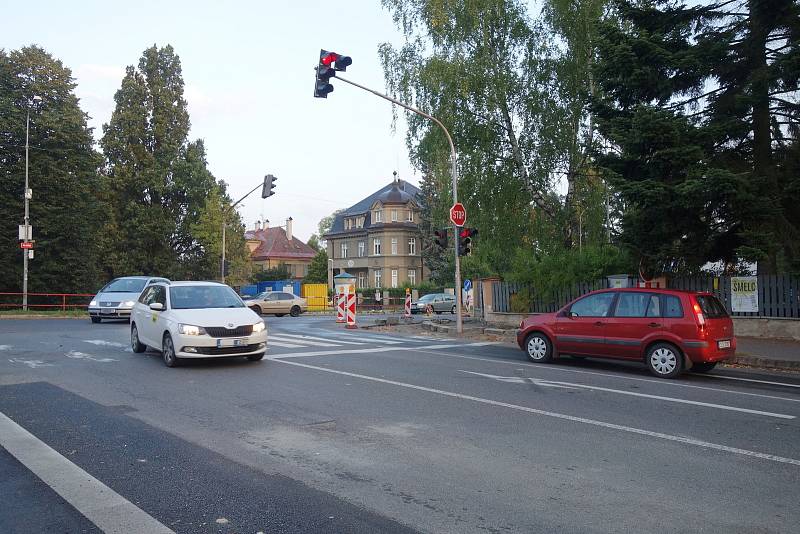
x,y
441,238
329,63
465,236
269,185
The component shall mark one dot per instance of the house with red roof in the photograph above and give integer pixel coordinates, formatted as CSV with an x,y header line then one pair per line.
x,y
276,246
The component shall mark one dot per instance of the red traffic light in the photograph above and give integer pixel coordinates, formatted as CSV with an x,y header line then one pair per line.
x,y
468,232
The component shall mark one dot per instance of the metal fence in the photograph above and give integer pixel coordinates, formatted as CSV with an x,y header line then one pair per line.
x,y
778,295
46,301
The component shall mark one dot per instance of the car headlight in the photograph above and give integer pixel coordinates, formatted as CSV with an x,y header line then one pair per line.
x,y
93,303
191,330
259,327
128,304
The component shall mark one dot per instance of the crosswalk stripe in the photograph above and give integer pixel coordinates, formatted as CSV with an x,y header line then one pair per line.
x,y
270,342
303,337
373,339
304,342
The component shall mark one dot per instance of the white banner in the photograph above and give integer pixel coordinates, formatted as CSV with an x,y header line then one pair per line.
x,y
744,294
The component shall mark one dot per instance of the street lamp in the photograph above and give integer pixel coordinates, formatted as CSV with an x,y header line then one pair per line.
x,y
27,194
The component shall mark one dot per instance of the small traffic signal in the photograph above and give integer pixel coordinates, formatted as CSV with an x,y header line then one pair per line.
x,y
441,238
465,236
329,63
269,185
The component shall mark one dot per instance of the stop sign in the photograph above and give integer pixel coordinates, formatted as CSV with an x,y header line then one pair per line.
x,y
458,214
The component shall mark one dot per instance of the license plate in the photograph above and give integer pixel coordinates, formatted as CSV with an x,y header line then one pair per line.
x,y
231,342
726,344
107,311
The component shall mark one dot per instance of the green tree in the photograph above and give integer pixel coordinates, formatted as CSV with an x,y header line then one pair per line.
x,y
272,274
700,106
67,206
313,242
318,270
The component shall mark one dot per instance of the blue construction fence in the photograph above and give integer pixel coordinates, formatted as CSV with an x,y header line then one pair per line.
x,y
252,290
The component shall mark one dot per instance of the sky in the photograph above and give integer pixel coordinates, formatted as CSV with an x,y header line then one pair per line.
x,y
248,73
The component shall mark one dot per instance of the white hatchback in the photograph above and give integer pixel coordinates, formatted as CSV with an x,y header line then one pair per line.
x,y
196,320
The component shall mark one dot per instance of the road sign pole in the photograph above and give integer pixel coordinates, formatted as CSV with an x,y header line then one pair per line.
x,y
454,172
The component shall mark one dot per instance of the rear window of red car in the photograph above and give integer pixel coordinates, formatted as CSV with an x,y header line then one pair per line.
x,y
711,306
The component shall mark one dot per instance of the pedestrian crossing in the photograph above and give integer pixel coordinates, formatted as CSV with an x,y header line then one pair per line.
x,y
341,342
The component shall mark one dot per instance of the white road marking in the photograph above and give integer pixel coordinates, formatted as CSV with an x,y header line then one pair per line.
x,y
572,385
272,342
520,380
390,341
662,382
565,417
753,380
5,347
305,343
75,355
33,364
373,350
108,510
104,343
303,337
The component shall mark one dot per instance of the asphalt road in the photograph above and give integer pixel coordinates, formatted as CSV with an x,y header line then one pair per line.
x,y
357,431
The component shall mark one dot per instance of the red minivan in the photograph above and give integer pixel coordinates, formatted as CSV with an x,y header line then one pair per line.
x,y
670,330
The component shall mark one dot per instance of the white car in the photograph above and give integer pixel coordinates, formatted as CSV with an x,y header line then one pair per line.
x,y
116,299
196,320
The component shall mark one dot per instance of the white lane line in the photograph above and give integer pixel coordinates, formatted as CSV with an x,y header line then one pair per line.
x,y
371,350
522,380
302,337
307,343
661,382
753,380
565,417
5,347
390,341
270,341
108,510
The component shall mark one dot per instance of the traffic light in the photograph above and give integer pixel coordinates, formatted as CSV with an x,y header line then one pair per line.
x,y
465,236
269,185
441,238
329,63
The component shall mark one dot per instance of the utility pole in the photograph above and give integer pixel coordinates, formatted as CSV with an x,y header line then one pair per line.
x,y
267,187
27,194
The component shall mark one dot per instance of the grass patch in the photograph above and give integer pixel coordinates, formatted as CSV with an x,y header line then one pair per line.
x,y
46,313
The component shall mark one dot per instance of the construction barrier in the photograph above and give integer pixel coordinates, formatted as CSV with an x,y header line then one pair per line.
x,y
316,296
341,303
351,310
407,307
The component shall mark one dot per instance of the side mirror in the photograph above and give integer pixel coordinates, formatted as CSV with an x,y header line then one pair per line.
x,y
573,314
157,306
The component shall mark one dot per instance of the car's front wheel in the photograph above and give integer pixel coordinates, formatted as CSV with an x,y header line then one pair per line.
x,y
136,345
256,309
295,311
168,351
538,347
703,367
664,360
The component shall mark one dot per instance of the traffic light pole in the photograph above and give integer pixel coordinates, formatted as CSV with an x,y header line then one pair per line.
x,y
225,224
454,172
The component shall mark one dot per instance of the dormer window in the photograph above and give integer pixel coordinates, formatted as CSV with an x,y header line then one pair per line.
x,y
377,216
410,216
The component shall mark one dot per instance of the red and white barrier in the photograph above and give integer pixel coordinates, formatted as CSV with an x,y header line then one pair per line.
x,y
407,308
340,307
351,310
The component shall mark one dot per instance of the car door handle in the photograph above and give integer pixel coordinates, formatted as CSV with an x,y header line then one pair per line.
x,y
654,325
599,323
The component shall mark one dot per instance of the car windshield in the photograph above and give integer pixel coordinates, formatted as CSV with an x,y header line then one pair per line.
x,y
427,298
125,285
201,297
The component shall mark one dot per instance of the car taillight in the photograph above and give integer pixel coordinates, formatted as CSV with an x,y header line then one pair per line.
x,y
698,313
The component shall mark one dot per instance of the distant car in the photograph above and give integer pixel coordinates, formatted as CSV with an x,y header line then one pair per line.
x,y
439,303
278,303
196,320
669,330
116,299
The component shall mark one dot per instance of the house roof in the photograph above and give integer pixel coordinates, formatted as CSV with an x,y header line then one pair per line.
x,y
274,244
395,192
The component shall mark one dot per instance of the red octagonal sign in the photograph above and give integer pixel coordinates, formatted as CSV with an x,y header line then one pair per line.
x,y
458,214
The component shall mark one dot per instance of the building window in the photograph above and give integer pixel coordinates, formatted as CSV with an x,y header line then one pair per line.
x,y
377,279
394,277
394,246
410,216
394,215
376,246
412,277
377,216
344,250
360,222
305,270
348,224
362,280
361,247
412,247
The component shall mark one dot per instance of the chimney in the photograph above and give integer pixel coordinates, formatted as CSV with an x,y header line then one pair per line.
x,y
266,224
289,229
258,225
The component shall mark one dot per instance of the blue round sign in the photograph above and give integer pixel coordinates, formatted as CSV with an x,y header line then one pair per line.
x,y
467,284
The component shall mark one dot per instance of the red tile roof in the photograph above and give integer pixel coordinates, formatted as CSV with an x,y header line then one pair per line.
x,y
274,245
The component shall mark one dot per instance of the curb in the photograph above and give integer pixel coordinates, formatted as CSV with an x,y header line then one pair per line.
x,y
41,317
764,363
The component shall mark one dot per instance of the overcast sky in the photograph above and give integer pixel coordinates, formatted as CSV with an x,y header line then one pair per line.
x,y
248,70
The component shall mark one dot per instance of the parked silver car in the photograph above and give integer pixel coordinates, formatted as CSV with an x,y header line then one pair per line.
x,y
116,299
277,302
438,302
